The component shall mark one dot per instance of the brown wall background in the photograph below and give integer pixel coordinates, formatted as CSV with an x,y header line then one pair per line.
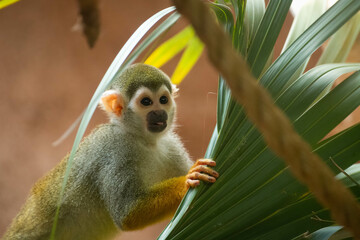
x,y
48,75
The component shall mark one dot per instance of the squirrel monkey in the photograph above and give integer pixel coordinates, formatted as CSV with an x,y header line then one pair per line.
x,y
127,174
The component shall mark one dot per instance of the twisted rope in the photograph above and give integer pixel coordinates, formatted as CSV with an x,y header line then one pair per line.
x,y
276,128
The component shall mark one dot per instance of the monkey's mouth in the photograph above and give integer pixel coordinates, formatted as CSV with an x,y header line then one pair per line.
x,y
157,126
156,121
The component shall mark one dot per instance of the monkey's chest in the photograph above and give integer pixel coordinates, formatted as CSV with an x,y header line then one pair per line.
x,y
158,167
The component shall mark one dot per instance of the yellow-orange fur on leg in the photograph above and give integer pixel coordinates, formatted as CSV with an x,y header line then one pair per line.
x,y
161,202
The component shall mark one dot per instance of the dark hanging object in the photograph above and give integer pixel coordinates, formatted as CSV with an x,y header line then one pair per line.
x,y
90,18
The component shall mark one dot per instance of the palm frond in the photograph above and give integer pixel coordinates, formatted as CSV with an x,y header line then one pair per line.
x,y
256,196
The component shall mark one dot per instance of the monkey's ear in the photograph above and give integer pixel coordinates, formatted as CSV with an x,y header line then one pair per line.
x,y
175,90
112,102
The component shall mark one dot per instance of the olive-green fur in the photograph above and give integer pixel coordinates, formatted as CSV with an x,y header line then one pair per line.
x,y
140,75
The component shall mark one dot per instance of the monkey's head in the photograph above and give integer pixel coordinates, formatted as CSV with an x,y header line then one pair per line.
x,y
141,99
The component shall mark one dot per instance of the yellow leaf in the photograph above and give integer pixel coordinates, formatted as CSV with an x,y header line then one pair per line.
x,y
191,54
5,3
170,48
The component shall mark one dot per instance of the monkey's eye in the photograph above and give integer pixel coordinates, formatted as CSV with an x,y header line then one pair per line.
x,y
146,101
164,100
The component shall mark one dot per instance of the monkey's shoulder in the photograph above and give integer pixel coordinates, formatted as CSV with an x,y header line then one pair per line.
x,y
107,133
107,139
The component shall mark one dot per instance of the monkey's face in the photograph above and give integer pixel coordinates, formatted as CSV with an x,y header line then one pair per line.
x,y
155,108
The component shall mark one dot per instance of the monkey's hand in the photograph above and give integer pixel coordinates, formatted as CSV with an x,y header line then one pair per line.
x,y
201,170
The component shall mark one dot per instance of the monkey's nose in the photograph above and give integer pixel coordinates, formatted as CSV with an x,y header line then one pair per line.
x,y
156,120
160,115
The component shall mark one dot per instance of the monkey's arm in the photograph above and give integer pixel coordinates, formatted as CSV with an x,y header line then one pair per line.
x,y
160,202
163,198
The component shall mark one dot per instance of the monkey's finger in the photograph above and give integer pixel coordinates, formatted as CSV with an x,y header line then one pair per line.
x,y
204,169
208,162
202,177
192,183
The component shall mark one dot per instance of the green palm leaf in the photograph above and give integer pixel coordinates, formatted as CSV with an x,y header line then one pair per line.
x,y
344,148
256,196
308,13
288,62
340,44
266,35
224,16
334,233
254,12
